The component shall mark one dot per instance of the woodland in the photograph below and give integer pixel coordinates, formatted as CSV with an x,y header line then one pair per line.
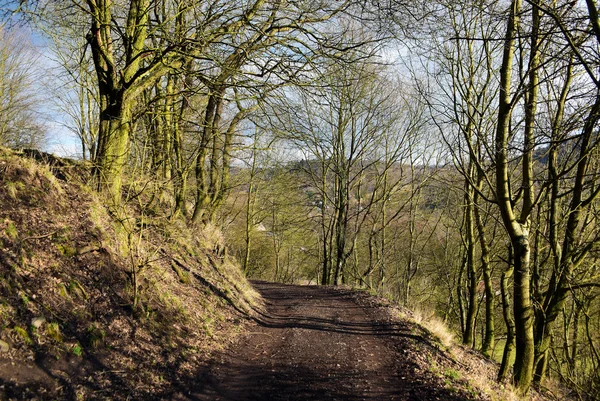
x,y
443,154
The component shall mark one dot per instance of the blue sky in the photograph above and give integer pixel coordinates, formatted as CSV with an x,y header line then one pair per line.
x,y
60,140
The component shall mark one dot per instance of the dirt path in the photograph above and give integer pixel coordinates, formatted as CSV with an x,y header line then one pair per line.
x,y
317,343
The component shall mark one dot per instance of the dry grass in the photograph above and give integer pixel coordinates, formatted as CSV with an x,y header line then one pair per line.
x,y
434,325
479,371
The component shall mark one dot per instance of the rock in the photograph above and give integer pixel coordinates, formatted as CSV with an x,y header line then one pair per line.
x,y
37,322
4,347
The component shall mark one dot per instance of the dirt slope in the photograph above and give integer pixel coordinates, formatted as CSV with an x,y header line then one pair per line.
x,y
323,343
97,303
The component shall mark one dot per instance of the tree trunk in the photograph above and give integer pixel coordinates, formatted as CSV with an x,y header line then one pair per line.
x,y
250,202
325,228
488,342
472,279
509,347
523,312
211,121
115,127
518,230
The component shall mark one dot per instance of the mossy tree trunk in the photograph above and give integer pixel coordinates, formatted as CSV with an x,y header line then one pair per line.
x,y
509,346
517,227
472,279
115,128
489,340
204,164
325,223
122,77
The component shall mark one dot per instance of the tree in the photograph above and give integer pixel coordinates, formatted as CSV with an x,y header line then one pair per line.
x,y
508,174
350,135
21,125
218,48
77,95
461,97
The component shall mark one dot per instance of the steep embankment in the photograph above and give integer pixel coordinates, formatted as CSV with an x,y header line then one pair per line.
x,y
94,304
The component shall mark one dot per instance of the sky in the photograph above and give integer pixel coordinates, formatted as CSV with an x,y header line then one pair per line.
x,y
60,141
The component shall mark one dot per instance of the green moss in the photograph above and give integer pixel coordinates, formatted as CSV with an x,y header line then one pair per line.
x,y
62,291
66,250
184,277
11,230
77,290
452,374
22,334
63,242
77,350
53,331
24,299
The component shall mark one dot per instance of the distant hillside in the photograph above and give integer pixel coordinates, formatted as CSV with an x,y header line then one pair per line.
x,y
104,304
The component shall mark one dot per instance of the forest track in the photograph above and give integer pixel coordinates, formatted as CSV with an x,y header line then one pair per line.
x,y
323,343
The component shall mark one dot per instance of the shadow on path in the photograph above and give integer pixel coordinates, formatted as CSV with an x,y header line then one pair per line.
x,y
316,343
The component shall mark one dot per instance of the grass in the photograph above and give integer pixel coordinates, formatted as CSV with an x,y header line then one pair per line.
x,y
452,374
208,326
479,379
13,188
6,310
173,303
434,325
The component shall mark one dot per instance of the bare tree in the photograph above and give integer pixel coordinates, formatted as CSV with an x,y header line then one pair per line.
x,y
21,124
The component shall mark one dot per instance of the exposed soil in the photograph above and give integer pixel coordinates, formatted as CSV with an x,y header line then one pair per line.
x,y
87,313
324,343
